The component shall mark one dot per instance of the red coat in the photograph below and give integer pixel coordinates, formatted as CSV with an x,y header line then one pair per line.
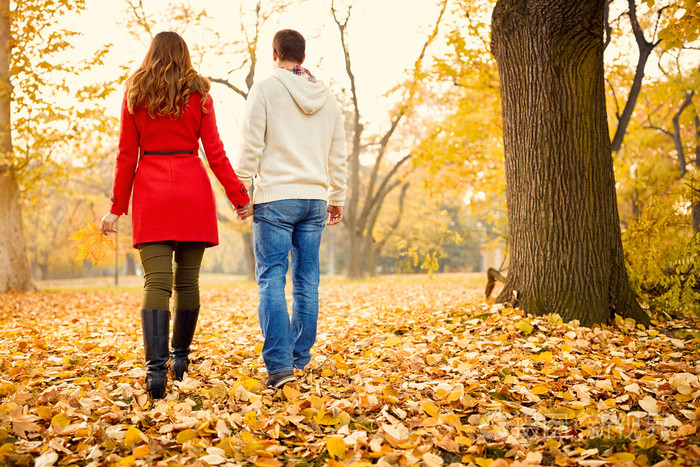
x,y
173,199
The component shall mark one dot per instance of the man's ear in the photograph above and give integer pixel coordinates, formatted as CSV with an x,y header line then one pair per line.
x,y
302,59
274,55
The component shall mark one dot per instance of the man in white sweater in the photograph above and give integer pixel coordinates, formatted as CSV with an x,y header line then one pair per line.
x,y
294,152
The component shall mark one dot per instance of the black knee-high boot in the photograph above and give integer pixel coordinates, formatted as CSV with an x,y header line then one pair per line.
x,y
156,330
184,323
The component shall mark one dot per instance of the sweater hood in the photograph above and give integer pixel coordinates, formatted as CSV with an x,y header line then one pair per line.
x,y
309,97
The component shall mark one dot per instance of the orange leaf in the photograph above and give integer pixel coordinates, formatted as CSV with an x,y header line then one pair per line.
x,y
92,243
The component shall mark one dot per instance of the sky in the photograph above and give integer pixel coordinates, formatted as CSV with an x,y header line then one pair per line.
x,y
382,46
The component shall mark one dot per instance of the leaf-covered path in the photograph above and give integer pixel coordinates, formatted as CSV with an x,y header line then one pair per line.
x,y
405,372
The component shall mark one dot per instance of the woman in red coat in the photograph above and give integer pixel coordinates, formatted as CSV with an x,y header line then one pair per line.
x,y
166,111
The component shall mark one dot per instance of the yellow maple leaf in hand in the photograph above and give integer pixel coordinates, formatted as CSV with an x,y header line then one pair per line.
x,y
92,243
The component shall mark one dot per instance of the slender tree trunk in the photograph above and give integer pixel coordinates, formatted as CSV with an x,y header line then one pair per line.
x,y
696,189
15,273
130,265
249,252
566,247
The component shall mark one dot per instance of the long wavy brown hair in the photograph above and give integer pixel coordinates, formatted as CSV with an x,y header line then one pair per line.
x,y
166,79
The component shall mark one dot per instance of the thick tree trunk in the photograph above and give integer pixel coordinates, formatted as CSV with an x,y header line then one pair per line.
x,y
566,247
14,267
15,273
356,259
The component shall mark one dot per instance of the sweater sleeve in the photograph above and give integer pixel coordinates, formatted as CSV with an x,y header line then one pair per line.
x,y
337,164
236,192
253,137
127,159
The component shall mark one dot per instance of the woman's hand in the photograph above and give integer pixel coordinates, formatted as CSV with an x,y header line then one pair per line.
x,y
107,223
245,212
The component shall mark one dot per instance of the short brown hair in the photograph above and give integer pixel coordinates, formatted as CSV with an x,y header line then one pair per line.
x,y
289,45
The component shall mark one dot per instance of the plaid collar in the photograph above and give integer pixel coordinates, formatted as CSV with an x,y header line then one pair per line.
x,y
301,71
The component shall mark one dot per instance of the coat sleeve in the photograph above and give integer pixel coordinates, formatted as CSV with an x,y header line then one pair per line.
x,y
337,164
253,136
236,192
127,159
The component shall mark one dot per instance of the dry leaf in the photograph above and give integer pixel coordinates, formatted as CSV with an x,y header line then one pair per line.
x,y
335,446
92,244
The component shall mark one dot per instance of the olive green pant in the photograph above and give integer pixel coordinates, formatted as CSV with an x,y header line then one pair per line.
x,y
157,262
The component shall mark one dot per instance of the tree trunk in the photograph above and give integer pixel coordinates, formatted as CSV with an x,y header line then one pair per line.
x,y
566,246
130,265
14,267
15,273
356,267
249,252
695,195
44,270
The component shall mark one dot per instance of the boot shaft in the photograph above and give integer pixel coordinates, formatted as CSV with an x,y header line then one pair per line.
x,y
155,325
184,324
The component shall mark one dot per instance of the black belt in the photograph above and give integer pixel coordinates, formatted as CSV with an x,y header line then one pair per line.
x,y
166,153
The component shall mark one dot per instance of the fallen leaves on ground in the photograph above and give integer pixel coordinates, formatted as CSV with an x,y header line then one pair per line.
x,y
404,372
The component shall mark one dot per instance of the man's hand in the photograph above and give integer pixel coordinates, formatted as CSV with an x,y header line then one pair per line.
x,y
335,215
245,212
107,223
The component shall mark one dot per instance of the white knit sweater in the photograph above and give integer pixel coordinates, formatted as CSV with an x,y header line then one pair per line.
x,y
293,144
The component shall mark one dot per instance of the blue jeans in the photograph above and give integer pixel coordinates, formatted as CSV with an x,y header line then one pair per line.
x,y
279,227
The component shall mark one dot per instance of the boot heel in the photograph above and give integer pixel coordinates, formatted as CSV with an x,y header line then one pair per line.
x,y
156,383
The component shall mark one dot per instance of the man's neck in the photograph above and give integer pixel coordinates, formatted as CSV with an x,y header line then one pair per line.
x,y
287,63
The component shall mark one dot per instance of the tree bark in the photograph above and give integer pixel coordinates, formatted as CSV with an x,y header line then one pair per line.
x,y
566,246
15,273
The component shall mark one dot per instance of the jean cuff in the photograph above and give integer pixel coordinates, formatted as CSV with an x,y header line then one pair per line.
x,y
289,368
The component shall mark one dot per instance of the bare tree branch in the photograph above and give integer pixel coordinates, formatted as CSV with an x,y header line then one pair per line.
x,y
645,48
388,177
140,14
229,85
606,22
357,128
677,130
675,135
417,66
612,90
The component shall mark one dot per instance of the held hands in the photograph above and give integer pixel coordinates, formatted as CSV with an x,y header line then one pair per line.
x,y
245,212
335,215
107,223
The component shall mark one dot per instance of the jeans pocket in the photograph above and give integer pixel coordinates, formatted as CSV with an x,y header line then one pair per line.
x,y
275,211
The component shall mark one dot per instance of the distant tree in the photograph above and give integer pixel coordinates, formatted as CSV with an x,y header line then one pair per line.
x,y
368,192
14,268
34,129
565,239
